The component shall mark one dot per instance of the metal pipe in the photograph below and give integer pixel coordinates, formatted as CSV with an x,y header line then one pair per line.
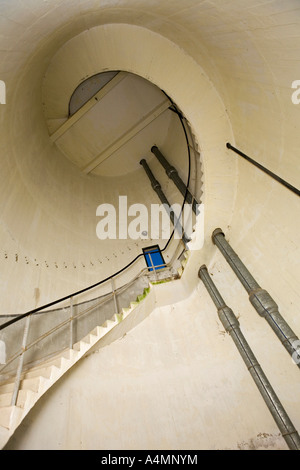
x,y
264,169
153,267
232,326
157,188
173,175
259,298
71,323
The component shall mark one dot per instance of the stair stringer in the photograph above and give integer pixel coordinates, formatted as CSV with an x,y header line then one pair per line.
x,y
39,379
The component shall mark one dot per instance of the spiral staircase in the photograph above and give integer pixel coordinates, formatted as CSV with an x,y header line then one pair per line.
x,y
36,379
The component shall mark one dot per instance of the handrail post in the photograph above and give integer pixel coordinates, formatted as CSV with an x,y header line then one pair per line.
x,y
71,322
114,295
21,362
153,267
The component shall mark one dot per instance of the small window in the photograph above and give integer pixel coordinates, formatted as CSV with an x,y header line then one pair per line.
x,y
153,257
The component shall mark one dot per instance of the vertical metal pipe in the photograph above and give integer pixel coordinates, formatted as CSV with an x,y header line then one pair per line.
x,y
173,175
232,326
157,188
259,298
21,362
71,322
152,265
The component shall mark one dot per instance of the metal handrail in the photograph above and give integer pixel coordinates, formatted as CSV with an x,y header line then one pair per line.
x,y
264,169
74,294
19,355
103,300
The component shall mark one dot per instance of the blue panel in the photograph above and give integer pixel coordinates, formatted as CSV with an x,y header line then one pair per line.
x,y
154,258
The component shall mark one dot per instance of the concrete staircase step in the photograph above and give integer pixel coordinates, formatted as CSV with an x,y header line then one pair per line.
x,y
10,416
5,398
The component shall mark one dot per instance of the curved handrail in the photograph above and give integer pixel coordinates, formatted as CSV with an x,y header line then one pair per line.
x,y
101,300
81,291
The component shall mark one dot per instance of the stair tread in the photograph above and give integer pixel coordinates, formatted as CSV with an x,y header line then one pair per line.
x,y
6,415
50,361
5,398
25,384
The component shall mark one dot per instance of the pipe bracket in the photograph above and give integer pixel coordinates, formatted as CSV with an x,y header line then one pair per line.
x,y
228,319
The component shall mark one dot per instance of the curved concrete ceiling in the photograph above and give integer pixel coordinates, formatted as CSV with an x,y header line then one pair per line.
x,y
237,43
